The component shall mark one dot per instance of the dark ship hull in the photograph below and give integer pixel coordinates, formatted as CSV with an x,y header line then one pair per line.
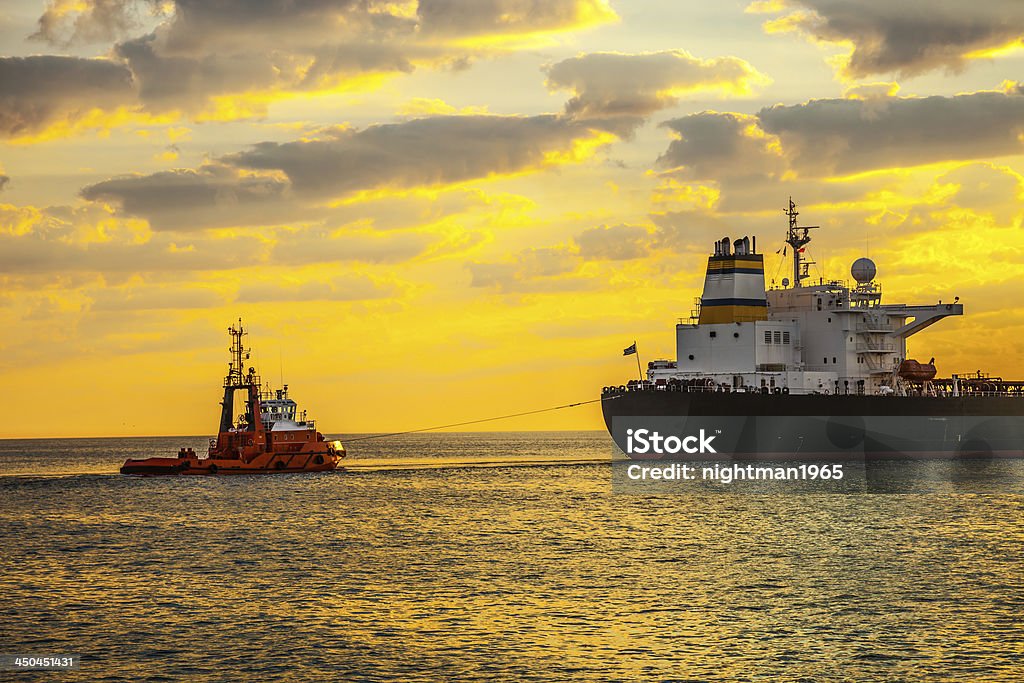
x,y
821,426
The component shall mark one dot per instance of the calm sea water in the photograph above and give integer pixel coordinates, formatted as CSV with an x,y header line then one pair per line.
x,y
493,557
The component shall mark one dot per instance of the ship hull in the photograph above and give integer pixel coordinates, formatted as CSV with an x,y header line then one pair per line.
x,y
823,427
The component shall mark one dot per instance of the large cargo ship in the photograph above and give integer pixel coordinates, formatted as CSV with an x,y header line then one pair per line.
x,y
812,371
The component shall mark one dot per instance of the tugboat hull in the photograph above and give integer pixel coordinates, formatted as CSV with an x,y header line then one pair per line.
x,y
268,463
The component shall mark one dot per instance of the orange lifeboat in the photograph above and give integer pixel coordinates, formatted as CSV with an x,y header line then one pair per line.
x,y
917,372
269,438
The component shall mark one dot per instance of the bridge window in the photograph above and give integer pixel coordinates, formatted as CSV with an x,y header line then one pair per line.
x,y
785,337
767,337
778,337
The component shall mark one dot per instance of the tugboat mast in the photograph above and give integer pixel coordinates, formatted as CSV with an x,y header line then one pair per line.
x,y
796,238
236,378
236,374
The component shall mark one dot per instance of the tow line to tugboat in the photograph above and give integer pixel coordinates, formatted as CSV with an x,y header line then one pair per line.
x,y
486,419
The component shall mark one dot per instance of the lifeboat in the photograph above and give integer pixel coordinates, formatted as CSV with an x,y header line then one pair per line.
x,y
270,437
917,372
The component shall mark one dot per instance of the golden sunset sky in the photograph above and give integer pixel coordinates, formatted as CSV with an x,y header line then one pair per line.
x,y
444,210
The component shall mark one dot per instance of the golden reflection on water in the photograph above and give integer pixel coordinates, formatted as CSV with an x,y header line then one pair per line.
x,y
532,573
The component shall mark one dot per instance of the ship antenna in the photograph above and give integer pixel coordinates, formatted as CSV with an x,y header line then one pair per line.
x,y
797,237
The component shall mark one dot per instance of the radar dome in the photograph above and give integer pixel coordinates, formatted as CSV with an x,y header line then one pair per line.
x,y
863,270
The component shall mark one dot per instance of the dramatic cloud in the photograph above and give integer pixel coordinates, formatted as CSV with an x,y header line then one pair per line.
x,y
714,146
509,17
227,59
45,90
616,243
830,137
265,184
422,152
187,199
827,137
73,21
611,85
909,37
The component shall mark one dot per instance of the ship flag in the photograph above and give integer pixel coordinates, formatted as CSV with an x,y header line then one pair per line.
x,y
629,350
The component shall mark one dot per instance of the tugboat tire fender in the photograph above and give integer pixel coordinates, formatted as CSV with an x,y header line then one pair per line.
x,y
279,464
213,469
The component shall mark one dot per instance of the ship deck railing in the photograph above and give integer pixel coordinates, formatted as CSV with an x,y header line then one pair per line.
x,y
1015,391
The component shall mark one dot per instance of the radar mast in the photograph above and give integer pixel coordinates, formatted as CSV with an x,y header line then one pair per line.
x,y
797,238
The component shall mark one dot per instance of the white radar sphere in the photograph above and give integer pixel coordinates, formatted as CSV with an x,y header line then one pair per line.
x,y
863,270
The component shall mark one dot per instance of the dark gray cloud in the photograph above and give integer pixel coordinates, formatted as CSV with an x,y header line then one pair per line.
x,y
291,176
497,17
830,137
616,243
43,90
64,22
631,87
422,152
194,199
203,50
4,179
909,36
720,146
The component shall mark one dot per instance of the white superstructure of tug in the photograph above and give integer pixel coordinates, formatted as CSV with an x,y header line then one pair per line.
x,y
800,338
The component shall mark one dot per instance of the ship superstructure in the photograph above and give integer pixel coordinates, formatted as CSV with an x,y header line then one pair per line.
x,y
800,338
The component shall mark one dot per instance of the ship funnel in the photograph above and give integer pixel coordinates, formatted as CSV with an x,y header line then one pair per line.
x,y
734,285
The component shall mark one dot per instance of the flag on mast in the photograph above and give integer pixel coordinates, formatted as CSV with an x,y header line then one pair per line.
x,y
629,350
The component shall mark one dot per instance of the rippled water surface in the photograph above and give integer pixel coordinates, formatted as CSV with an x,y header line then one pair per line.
x,y
493,556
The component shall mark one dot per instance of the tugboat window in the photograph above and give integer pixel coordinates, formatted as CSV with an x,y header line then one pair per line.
x,y
713,334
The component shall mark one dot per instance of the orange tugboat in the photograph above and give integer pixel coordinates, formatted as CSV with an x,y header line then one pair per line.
x,y
269,438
